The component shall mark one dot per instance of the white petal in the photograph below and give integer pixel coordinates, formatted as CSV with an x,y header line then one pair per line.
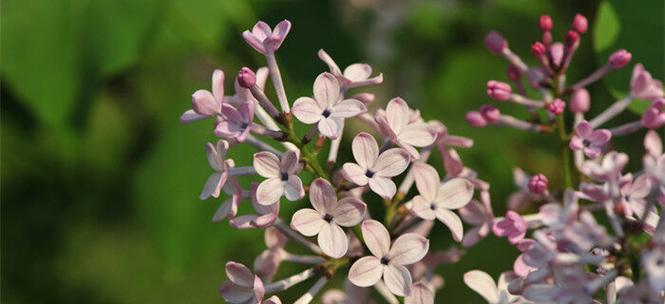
x,y
266,164
416,134
451,220
329,127
348,108
293,189
289,162
397,279
391,162
454,194
307,110
483,284
409,248
307,221
213,185
420,294
383,186
376,238
204,103
269,191
214,160
218,84
397,114
191,115
427,180
358,72
233,293
365,150
322,196
326,89
333,241
354,174
349,212
366,271
422,208
239,274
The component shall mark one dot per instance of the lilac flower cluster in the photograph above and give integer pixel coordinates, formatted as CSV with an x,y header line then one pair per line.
x,y
567,256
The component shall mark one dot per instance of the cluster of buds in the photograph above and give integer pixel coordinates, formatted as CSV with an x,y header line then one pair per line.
x,y
567,255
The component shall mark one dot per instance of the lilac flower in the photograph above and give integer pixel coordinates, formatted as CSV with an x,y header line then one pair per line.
x,y
218,162
654,116
494,293
281,177
229,208
643,86
437,200
243,286
373,168
481,216
267,263
387,261
609,168
512,226
266,40
326,109
588,140
206,103
403,127
265,215
523,196
236,123
420,294
634,192
327,217
355,75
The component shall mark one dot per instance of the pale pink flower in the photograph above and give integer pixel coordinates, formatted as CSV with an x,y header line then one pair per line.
x,y
493,292
588,140
267,263
236,123
511,226
523,196
653,262
266,40
643,86
387,261
634,193
481,216
373,168
281,177
229,208
206,103
265,215
327,109
218,162
243,286
355,75
327,217
397,123
608,168
436,200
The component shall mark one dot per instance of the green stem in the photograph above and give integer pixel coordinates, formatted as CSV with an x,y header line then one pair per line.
x,y
565,152
310,157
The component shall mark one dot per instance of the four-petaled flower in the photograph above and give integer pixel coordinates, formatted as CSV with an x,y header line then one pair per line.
x,y
643,86
355,75
206,103
395,123
327,109
281,177
373,168
590,141
327,217
236,123
265,40
219,163
387,261
243,286
436,200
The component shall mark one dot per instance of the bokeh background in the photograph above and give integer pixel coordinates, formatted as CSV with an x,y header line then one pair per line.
x,y
100,181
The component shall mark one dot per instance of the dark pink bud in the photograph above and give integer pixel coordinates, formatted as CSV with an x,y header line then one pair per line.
x,y
580,24
498,90
538,184
514,73
619,58
495,42
580,101
556,107
546,23
538,49
572,38
246,78
475,119
490,113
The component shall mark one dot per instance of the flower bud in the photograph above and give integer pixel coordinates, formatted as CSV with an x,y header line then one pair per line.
x,y
556,107
495,42
538,184
545,23
572,38
490,113
619,59
514,73
475,119
580,24
538,49
580,101
246,78
498,90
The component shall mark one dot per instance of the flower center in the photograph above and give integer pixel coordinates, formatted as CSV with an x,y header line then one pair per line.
x,y
244,125
369,173
385,260
328,218
432,206
284,176
326,113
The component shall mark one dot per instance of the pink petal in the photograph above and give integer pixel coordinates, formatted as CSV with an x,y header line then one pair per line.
x,y
218,85
332,240
204,103
226,209
330,62
266,164
307,221
191,115
348,108
231,114
307,110
641,187
293,189
451,220
416,134
289,162
243,222
471,237
354,174
239,274
246,110
473,213
397,114
366,271
269,191
397,279
422,208
376,238
407,249
600,137
454,194
358,72
254,42
322,196
349,212
583,129
281,31
326,90
653,144
420,294
274,239
233,293
213,185
427,180
365,150
329,127
214,160
576,143
391,162
383,186
483,284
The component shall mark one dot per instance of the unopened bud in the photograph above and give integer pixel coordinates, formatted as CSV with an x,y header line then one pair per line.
x,y
580,101
538,49
246,78
495,42
514,73
490,113
498,90
572,38
538,184
619,59
580,24
556,107
545,23
475,119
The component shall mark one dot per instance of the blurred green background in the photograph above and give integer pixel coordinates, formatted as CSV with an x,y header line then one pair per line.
x,y
100,181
